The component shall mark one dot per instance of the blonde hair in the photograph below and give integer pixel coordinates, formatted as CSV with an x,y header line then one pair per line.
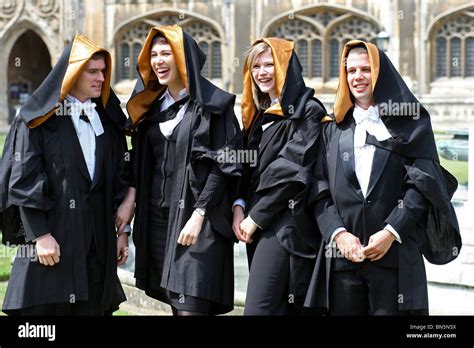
x,y
261,100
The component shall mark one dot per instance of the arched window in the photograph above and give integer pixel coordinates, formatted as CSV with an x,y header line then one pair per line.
x,y
209,41
130,43
454,46
353,28
320,34
131,39
441,54
307,43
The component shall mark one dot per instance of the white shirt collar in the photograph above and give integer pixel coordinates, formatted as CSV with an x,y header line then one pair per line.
x,y
371,113
368,121
76,107
181,94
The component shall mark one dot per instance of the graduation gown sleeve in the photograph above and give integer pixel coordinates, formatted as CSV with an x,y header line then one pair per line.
x,y
290,173
35,223
325,211
28,185
408,212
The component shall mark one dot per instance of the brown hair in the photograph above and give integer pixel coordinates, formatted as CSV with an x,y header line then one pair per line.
x,y
98,55
359,49
158,39
261,100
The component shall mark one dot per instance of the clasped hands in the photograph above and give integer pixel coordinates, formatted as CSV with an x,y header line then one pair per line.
x,y
354,251
243,228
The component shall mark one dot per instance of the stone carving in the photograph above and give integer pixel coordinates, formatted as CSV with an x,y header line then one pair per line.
x,y
45,8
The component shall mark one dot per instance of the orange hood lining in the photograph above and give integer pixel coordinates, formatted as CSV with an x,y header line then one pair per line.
x,y
282,51
81,51
343,102
141,102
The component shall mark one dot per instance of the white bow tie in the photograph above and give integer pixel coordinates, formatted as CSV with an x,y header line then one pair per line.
x,y
76,108
368,121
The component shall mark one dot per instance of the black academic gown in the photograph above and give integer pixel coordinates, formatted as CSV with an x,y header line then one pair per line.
x,y
275,189
51,183
200,179
393,197
408,189
203,270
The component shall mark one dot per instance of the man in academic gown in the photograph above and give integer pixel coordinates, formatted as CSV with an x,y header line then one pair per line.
x,y
61,185
196,267
381,199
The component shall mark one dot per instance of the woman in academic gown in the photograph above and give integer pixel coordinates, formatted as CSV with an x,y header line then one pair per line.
x,y
281,125
45,179
408,188
180,125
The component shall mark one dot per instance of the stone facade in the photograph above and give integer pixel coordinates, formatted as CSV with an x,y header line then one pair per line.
x,y
431,42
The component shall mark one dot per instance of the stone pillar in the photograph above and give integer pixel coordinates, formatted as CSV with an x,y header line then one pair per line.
x,y
94,15
470,169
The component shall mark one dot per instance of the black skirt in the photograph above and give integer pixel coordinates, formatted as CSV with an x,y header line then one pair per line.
x,y
158,227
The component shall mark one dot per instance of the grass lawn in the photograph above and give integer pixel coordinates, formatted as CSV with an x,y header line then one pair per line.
x,y
2,141
457,168
6,254
3,289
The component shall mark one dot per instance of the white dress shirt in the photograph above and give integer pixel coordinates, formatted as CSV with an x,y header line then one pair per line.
x,y
86,131
367,121
168,127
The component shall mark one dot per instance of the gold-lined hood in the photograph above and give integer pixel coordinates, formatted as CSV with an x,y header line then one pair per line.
x,y
44,101
282,51
140,103
343,102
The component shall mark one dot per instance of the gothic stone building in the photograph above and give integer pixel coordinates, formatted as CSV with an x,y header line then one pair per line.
x,y
431,42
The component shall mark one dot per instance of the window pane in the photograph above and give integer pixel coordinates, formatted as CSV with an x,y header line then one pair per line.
x,y
136,51
124,65
333,58
216,60
455,60
470,56
205,48
441,57
316,59
302,50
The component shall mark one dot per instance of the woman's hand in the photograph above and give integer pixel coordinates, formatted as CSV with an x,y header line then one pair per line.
x,y
248,228
190,232
122,249
125,211
237,218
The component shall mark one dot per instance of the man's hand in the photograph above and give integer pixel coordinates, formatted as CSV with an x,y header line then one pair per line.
x,y
350,246
48,250
237,218
379,243
248,228
125,211
122,249
190,232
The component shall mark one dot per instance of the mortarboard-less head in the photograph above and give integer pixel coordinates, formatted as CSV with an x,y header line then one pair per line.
x,y
286,80
409,124
184,67
404,116
84,70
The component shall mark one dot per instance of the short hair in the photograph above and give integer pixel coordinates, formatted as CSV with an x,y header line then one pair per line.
x,y
359,47
261,100
159,38
99,55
